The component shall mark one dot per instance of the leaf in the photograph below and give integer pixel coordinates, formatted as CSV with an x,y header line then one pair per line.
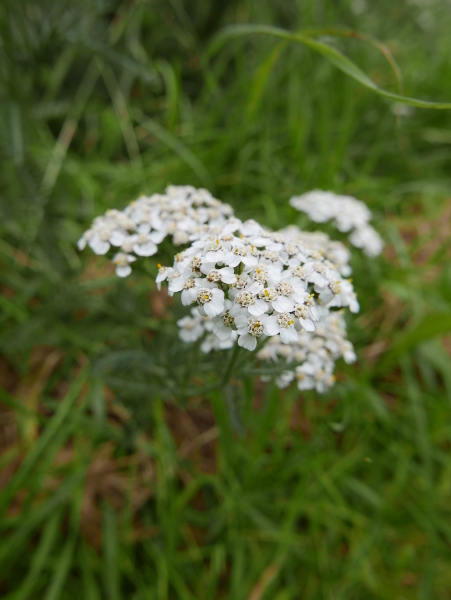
x,y
334,56
62,569
18,540
110,549
38,561
178,147
146,73
261,78
267,577
44,440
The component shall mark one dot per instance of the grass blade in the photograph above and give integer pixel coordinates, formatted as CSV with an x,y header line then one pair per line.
x,y
339,60
44,440
429,327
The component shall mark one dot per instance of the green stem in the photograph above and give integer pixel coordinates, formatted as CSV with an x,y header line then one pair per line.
x,y
229,369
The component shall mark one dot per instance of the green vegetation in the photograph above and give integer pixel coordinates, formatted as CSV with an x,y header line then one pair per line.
x,y
120,476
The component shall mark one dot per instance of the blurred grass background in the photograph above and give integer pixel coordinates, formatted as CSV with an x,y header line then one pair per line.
x,y
119,478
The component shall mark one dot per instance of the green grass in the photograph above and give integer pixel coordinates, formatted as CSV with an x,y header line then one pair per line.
x,y
121,477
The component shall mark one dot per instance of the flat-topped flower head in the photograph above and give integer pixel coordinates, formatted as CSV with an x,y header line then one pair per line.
x,y
348,215
247,282
182,212
263,284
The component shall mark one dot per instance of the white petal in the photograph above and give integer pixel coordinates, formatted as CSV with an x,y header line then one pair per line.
x,y
81,244
227,275
247,341
147,249
307,324
188,296
99,247
123,271
222,332
177,284
232,259
213,308
258,308
314,313
283,304
255,288
272,326
218,295
249,260
157,236
117,238
288,334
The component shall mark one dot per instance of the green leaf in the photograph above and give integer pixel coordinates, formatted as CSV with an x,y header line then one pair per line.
x,y
111,550
62,568
44,440
334,56
39,559
18,540
261,78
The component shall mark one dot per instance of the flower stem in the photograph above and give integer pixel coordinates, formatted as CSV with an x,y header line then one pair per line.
x,y
229,369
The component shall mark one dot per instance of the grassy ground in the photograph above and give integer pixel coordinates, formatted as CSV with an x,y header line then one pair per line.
x,y
120,478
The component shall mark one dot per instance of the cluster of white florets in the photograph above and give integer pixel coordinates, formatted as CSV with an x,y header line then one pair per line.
x,y
348,214
245,283
183,212
314,355
254,283
334,251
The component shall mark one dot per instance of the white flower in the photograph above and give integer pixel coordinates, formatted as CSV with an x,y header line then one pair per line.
x,y
289,292
211,301
122,262
223,323
99,242
212,342
249,329
339,293
310,376
248,300
285,379
240,254
191,328
163,274
282,324
306,313
226,274
145,242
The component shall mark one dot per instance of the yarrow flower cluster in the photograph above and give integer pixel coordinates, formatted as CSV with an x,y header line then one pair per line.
x,y
182,212
254,283
245,283
348,213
